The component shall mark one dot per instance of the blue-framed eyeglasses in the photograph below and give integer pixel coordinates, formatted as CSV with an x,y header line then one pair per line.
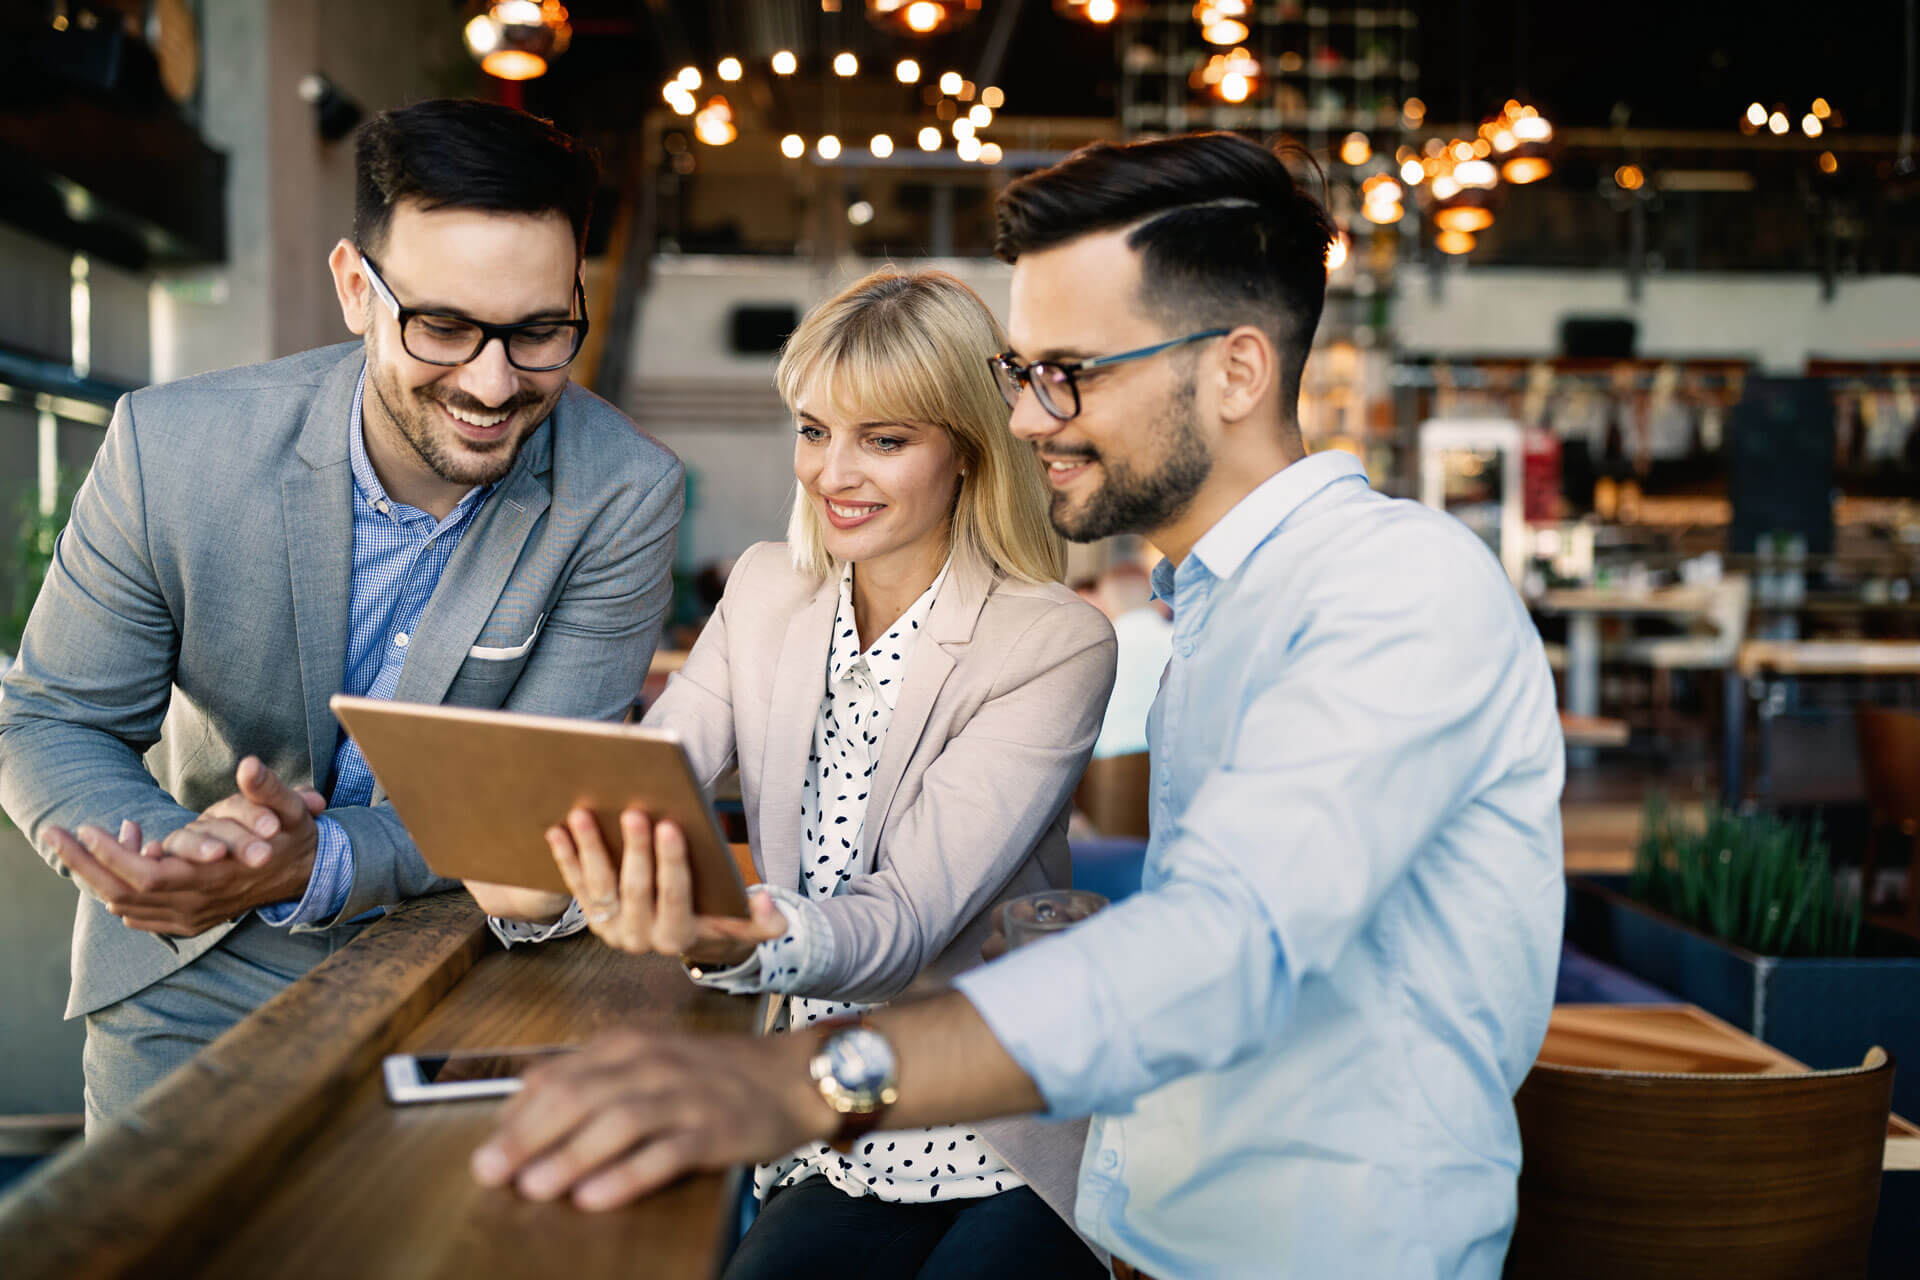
x,y
1054,381
535,346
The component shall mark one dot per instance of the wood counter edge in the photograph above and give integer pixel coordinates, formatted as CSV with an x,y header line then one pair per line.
x,y
154,1189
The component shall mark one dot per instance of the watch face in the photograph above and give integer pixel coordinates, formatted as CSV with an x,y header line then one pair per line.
x,y
860,1061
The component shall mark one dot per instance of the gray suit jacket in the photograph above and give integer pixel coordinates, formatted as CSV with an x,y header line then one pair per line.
x,y
197,609
998,712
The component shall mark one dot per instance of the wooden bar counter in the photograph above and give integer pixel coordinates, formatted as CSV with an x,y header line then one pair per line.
x,y
275,1151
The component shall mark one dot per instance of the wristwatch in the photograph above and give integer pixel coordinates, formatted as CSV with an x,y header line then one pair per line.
x,y
855,1071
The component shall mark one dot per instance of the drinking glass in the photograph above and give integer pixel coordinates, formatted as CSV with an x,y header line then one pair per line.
x,y
1036,915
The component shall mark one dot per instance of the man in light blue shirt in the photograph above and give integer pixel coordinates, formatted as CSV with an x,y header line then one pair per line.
x,y
1299,1043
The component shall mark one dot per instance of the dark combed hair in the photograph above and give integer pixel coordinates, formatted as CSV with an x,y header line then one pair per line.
x,y
456,153
1225,234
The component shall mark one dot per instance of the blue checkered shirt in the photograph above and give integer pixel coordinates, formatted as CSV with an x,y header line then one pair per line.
x,y
398,555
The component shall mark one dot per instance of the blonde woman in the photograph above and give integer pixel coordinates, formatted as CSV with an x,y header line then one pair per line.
x,y
910,695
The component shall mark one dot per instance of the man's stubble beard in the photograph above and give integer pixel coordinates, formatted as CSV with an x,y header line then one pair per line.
x,y
446,455
1129,502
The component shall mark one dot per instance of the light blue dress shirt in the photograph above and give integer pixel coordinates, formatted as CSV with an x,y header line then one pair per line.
x,y
399,553
1299,1043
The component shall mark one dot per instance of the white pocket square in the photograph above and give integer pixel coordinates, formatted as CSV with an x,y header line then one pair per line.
x,y
504,653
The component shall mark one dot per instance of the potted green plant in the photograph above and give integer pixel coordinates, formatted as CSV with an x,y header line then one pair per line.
x,y
1744,917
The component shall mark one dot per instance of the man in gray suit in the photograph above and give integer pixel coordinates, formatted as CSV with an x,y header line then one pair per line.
x,y
431,515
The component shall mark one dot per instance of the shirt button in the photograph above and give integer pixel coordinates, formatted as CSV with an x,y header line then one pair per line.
x,y
1109,1160
382,507
400,639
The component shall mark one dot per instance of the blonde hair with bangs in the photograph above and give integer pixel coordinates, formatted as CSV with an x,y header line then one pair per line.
x,y
913,346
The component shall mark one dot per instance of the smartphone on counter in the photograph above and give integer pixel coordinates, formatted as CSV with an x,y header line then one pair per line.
x,y
468,1073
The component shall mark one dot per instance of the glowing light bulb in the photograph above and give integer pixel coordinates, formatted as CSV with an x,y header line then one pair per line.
x,y
907,71
1235,87
1102,11
784,63
1337,253
962,128
688,79
990,153
828,148
1411,172
1811,126
881,146
483,37
1756,115
1821,109
993,98
729,69
950,83
929,139
981,115
1475,173
845,64
968,148
1777,123
1355,149
924,17
793,146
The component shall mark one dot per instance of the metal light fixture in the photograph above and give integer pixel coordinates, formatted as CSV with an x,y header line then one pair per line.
x,y
921,17
1461,185
517,39
1097,12
1520,138
1380,198
1223,22
713,123
1228,77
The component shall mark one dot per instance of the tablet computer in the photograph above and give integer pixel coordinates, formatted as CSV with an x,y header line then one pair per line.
x,y
478,789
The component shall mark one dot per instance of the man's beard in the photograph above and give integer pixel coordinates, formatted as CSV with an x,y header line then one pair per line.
x,y
452,458
1130,502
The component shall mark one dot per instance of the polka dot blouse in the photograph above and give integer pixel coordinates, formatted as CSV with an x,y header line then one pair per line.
x,y
863,687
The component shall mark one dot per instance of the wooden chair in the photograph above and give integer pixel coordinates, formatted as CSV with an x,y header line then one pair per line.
x,y
1114,795
1671,1176
1890,766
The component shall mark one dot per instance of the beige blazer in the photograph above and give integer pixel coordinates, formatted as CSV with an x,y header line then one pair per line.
x,y
996,719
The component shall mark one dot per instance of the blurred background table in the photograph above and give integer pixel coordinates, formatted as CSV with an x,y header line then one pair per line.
x,y
1584,608
275,1150
1766,665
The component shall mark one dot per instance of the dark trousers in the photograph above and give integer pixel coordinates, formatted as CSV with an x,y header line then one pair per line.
x,y
815,1229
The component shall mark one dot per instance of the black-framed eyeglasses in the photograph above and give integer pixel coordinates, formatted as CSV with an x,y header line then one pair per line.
x,y
533,346
1054,381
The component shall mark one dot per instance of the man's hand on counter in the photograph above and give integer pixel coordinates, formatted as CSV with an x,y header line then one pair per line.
x,y
635,1110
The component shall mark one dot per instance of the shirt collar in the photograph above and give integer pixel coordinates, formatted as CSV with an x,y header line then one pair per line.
x,y
846,652
1252,520
367,480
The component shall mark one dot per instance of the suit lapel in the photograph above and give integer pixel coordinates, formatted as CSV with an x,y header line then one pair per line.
x,y
949,632
799,682
316,504
471,584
